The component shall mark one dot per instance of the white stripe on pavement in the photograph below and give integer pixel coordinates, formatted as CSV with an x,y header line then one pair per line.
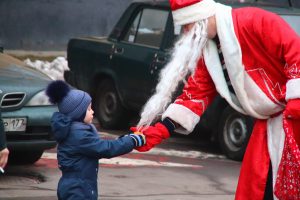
x,y
172,152
183,154
139,162
129,162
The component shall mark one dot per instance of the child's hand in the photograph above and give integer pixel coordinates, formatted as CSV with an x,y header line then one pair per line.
x,y
138,138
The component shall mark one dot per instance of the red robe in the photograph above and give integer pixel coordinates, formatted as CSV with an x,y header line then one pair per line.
x,y
270,56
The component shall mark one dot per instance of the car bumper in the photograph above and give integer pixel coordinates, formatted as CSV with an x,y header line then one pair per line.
x,y
36,115
31,145
38,134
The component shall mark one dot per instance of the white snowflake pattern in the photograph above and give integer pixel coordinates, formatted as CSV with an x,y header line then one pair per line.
x,y
292,71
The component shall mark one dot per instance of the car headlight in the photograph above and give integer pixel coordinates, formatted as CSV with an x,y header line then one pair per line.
x,y
40,99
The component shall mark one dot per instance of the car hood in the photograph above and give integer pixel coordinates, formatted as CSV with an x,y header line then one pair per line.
x,y
15,76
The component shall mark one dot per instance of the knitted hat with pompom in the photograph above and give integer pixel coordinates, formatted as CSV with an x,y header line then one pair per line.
x,y
70,102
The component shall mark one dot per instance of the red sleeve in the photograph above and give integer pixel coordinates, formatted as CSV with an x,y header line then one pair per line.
x,y
197,94
199,91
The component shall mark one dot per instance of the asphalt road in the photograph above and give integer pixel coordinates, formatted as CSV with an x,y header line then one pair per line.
x,y
181,168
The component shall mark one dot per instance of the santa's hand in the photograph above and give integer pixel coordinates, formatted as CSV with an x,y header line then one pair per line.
x,y
154,135
292,109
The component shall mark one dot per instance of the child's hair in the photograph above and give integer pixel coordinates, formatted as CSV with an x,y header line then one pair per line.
x,y
70,102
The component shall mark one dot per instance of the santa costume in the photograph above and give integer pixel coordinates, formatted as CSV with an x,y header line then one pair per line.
x,y
262,57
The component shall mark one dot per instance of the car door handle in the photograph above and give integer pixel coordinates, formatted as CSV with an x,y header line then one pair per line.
x,y
160,59
119,50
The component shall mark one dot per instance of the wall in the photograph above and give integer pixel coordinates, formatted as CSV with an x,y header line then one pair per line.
x,y
47,25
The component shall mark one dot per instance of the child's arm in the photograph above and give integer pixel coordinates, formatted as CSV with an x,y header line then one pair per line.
x,y
93,146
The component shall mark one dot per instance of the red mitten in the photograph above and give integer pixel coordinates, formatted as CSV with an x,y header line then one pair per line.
x,y
292,109
154,136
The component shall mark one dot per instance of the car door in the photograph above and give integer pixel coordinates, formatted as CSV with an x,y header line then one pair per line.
x,y
137,56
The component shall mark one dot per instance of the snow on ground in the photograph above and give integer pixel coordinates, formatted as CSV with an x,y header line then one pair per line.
x,y
55,69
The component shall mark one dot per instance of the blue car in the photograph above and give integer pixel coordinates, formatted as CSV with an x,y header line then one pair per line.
x,y
25,109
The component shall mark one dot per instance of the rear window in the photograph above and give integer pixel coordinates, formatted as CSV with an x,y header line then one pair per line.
x,y
290,15
294,21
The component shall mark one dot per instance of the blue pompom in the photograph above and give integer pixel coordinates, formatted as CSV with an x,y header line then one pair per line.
x,y
57,90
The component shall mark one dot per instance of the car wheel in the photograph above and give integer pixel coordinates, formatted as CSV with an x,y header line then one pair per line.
x,y
108,108
234,132
24,157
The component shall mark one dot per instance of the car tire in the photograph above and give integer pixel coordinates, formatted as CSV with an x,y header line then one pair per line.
x,y
108,108
234,131
24,157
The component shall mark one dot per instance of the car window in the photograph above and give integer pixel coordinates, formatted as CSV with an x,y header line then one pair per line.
x,y
148,27
294,21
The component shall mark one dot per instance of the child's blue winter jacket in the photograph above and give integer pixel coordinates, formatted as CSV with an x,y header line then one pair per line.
x,y
78,151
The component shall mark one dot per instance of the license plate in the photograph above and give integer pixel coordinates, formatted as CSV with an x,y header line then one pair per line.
x,y
14,124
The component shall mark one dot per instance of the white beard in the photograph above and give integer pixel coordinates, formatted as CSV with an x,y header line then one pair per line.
x,y
186,54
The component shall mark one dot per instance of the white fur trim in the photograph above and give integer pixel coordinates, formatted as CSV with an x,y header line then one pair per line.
x,y
233,58
276,137
258,100
212,61
194,12
292,89
183,116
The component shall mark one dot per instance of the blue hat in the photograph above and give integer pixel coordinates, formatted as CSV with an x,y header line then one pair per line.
x,y
70,102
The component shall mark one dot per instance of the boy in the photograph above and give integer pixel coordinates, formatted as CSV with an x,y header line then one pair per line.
x,y
79,146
